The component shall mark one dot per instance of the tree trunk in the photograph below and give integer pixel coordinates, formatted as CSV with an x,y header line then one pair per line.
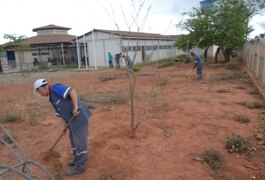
x,y
227,53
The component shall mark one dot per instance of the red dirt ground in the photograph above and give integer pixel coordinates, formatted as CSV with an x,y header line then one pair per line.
x,y
184,117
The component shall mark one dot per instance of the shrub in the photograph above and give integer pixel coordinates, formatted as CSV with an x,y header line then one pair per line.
x,y
236,143
233,65
242,118
212,158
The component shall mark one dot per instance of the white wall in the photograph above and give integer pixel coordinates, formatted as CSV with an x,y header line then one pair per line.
x,y
104,43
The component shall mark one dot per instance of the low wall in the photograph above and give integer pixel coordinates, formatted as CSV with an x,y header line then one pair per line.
x,y
253,55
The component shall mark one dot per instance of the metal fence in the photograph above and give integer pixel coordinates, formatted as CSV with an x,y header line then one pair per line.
x,y
14,162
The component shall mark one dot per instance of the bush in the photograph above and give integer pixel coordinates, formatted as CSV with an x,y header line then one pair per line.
x,y
242,119
212,158
236,143
233,65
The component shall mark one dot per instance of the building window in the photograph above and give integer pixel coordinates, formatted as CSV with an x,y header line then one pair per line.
x,y
149,47
138,48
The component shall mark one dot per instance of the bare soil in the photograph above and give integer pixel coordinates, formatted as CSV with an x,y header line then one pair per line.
x,y
183,118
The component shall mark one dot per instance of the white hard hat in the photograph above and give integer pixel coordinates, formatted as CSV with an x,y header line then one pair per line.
x,y
38,83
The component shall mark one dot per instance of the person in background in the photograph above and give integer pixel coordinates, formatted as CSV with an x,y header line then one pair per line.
x,y
128,62
66,104
1,66
35,62
110,57
205,55
117,60
198,64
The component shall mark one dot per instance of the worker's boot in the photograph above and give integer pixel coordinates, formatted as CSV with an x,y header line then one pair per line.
x,y
74,171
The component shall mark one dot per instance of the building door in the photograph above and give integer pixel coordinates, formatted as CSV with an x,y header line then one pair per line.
x,y
11,58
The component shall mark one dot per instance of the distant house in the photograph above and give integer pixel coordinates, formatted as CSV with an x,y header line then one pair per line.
x,y
51,44
149,47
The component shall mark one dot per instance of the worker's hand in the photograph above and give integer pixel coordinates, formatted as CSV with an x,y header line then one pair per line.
x,y
76,111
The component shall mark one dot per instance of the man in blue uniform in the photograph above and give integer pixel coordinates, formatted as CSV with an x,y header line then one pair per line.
x,y
66,104
198,64
110,57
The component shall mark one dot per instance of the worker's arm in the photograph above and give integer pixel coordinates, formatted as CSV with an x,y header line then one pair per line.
x,y
74,98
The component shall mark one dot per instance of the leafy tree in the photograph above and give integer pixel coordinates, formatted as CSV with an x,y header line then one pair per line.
x,y
226,24
16,42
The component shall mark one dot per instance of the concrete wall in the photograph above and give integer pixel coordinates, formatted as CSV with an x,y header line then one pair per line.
x,y
253,55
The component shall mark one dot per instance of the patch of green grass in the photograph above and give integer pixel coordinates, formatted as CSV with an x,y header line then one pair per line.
x,y
236,143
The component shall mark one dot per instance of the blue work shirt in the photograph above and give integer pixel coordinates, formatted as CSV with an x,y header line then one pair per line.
x,y
198,61
63,105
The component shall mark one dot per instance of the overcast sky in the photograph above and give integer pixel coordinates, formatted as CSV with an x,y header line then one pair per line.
x,y
157,16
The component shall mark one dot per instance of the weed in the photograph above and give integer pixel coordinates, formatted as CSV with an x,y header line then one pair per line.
x,y
254,92
33,118
58,169
11,116
223,90
213,159
243,103
224,103
106,98
256,105
237,144
242,118
107,78
233,65
240,87
162,82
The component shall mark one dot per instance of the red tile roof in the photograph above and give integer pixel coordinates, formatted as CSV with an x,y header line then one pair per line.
x,y
50,39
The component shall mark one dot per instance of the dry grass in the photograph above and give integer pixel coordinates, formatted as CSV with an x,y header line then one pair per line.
x,y
11,116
